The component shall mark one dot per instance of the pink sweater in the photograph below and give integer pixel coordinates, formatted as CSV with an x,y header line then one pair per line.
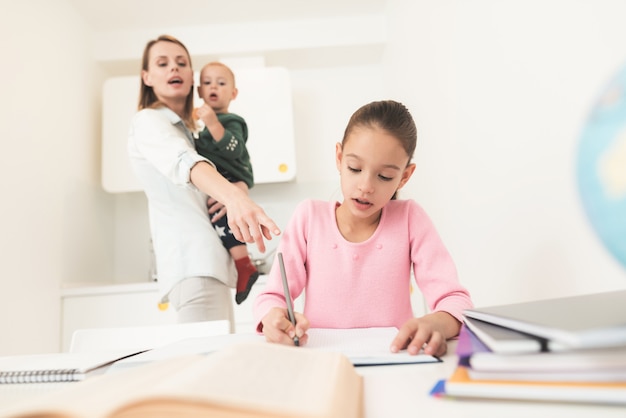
x,y
365,284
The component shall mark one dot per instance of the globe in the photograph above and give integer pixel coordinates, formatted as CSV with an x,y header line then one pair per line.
x,y
601,167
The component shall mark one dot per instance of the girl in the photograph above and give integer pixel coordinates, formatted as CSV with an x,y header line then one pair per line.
x,y
353,259
194,270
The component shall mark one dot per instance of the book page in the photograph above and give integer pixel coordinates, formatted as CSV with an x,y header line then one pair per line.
x,y
188,346
271,380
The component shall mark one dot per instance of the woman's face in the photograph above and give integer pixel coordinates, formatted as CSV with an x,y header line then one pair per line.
x,y
169,72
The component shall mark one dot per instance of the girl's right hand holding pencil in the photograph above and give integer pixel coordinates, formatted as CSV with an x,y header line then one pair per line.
x,y
277,327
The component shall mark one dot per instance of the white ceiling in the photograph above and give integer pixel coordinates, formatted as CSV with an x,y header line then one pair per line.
x,y
111,15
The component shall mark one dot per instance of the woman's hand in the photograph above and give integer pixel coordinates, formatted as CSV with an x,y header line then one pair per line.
x,y
247,221
429,332
277,327
216,209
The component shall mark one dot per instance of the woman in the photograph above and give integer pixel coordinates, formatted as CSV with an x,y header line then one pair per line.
x,y
194,270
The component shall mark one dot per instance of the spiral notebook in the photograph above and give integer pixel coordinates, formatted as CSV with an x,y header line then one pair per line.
x,y
56,367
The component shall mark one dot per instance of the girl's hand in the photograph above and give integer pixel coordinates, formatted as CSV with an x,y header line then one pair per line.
x,y
429,332
277,327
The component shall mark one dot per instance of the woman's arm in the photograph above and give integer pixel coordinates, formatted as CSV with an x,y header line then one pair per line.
x,y
247,220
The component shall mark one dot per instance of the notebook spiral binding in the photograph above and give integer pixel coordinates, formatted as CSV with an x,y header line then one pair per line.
x,y
39,376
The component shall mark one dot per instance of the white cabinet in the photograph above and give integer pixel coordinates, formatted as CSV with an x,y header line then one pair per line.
x,y
134,304
264,101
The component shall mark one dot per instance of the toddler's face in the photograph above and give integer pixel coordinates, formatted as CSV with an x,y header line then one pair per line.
x,y
217,87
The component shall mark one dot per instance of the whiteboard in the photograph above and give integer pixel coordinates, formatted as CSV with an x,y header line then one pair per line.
x,y
264,101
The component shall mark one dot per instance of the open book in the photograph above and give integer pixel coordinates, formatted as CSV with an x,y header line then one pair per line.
x,y
247,380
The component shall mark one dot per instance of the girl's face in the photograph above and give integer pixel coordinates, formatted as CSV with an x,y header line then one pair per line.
x,y
373,166
217,87
169,72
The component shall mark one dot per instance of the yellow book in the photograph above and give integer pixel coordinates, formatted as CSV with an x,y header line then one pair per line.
x,y
245,380
461,384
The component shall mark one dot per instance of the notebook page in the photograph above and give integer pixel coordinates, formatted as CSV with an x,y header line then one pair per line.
x,y
364,346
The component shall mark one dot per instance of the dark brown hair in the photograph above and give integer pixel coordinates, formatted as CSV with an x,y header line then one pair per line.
x,y
147,97
390,116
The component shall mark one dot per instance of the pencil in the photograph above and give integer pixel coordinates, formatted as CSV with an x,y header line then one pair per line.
x,y
292,316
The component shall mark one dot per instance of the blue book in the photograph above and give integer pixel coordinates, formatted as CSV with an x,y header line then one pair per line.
x,y
469,344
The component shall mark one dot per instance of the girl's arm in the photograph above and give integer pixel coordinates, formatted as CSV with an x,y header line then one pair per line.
x,y
436,276
269,309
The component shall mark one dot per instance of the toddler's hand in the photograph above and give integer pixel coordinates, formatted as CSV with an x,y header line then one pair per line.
x,y
204,113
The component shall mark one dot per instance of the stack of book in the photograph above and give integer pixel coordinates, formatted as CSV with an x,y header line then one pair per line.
x,y
569,349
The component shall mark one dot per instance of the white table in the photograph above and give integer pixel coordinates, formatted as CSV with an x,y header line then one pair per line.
x,y
403,391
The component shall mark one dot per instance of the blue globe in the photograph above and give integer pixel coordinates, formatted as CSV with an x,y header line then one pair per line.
x,y
601,167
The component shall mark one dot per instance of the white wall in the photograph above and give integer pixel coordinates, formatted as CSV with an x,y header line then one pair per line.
x,y
55,216
500,91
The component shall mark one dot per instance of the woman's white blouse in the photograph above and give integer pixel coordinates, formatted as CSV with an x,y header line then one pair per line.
x,y
185,243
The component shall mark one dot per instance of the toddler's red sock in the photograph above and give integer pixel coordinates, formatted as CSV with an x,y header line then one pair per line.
x,y
247,275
